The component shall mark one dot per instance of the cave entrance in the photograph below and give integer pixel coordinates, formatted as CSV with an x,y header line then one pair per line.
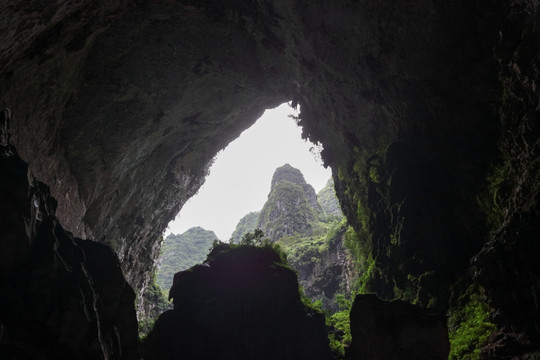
x,y
239,179
272,179
268,178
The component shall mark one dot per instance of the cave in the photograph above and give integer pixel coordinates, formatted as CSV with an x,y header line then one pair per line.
x,y
112,111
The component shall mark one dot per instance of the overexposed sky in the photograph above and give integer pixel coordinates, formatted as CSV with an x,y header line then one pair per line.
x,y
239,180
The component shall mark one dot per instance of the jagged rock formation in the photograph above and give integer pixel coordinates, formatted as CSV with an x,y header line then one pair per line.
x,y
246,224
243,303
60,297
325,267
422,107
291,207
182,251
396,331
326,271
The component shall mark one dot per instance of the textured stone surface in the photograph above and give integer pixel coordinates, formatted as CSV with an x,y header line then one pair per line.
x,y
291,207
60,297
506,265
396,331
334,272
243,303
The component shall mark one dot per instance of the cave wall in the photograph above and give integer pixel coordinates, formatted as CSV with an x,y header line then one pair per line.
x,y
61,297
120,107
506,266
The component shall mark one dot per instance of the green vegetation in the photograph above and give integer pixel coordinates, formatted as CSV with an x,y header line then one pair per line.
x,y
247,224
180,252
286,211
469,326
155,304
302,227
357,243
302,249
491,201
328,200
291,207
341,322
255,239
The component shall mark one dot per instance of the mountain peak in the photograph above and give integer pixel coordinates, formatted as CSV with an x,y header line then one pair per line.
x,y
291,206
288,173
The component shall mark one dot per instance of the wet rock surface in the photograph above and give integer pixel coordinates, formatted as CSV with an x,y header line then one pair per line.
x,y
243,303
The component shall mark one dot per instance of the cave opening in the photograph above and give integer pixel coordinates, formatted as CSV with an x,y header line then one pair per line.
x,y
238,181
268,166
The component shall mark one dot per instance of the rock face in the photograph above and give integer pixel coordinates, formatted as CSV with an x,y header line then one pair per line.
x,y
292,217
243,303
291,207
423,108
60,297
396,331
324,274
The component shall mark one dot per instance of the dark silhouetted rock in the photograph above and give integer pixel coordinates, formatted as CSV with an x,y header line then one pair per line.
x,y
60,297
242,304
396,331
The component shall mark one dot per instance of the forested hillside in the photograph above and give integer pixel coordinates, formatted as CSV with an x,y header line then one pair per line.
x,y
246,224
182,251
328,200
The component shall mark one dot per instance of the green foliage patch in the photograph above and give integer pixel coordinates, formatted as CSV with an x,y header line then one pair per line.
x,y
180,252
246,224
328,200
469,326
340,321
155,303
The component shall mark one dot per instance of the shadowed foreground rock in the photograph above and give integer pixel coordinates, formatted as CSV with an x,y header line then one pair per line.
x,y
396,331
242,304
60,297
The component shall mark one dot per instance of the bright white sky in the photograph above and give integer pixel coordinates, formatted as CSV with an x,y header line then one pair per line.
x,y
239,180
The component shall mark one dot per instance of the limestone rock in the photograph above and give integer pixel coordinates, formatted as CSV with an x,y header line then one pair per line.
x,y
325,274
291,207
